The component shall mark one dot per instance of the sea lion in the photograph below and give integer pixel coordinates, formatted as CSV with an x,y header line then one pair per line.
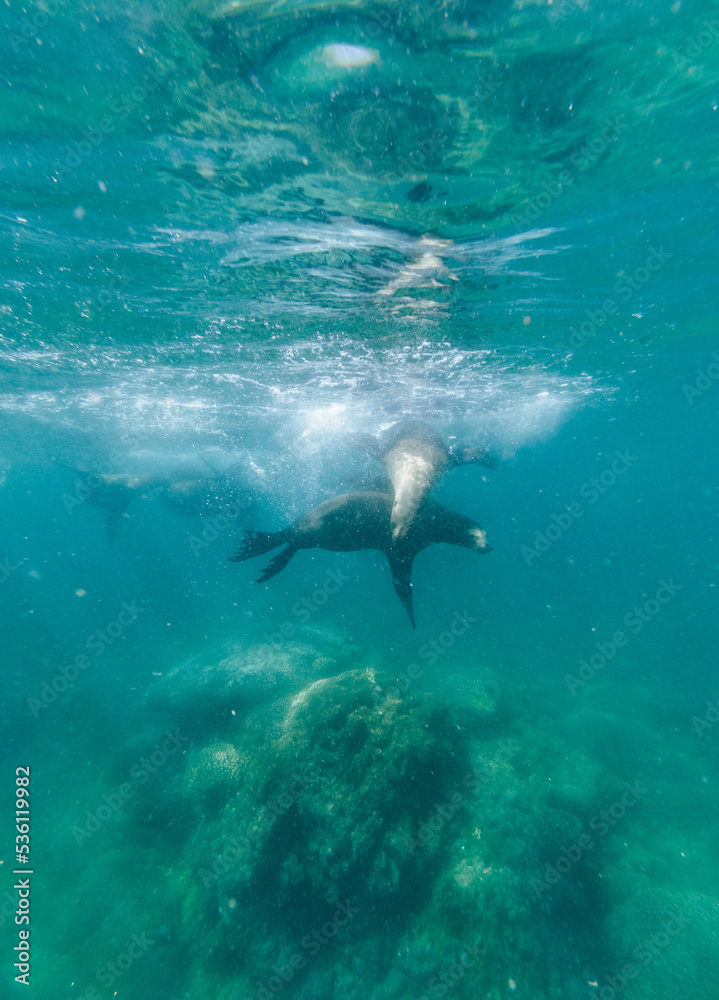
x,y
416,458
354,521
114,492
181,492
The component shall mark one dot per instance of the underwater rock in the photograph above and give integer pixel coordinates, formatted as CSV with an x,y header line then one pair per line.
x,y
478,703
343,805
485,924
213,771
231,677
664,941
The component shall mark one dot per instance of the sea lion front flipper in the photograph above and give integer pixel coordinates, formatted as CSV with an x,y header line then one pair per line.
x,y
276,565
401,570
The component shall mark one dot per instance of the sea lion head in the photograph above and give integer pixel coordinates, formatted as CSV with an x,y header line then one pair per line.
x,y
476,539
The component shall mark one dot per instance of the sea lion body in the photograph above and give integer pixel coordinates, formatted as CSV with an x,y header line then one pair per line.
x,y
414,465
196,497
355,521
346,523
416,458
115,491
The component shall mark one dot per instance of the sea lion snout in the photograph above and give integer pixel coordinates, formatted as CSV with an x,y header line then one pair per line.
x,y
479,539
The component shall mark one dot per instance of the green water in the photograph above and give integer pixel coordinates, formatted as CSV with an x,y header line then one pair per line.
x,y
233,236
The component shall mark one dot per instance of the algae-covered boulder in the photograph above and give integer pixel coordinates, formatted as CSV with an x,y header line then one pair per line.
x,y
213,772
663,941
231,677
351,801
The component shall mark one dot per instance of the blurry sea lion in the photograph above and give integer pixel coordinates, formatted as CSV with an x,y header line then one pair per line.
x,y
115,491
180,491
416,458
354,521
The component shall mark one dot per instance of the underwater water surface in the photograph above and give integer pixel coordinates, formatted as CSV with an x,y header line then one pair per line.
x,y
237,240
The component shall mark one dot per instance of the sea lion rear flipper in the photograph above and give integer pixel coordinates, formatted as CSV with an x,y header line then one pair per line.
x,y
276,565
257,543
402,582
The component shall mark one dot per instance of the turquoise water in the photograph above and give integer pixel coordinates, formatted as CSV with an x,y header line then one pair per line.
x,y
234,236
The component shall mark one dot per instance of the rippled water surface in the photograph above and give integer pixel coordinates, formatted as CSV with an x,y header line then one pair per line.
x,y
235,237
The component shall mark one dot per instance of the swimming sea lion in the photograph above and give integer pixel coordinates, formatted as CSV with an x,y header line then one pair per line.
x,y
354,521
115,491
181,491
416,458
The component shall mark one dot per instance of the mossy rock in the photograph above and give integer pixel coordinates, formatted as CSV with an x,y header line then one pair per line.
x,y
669,938
230,678
213,772
331,811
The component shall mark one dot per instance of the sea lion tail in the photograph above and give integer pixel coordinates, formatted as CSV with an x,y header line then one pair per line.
x,y
257,543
